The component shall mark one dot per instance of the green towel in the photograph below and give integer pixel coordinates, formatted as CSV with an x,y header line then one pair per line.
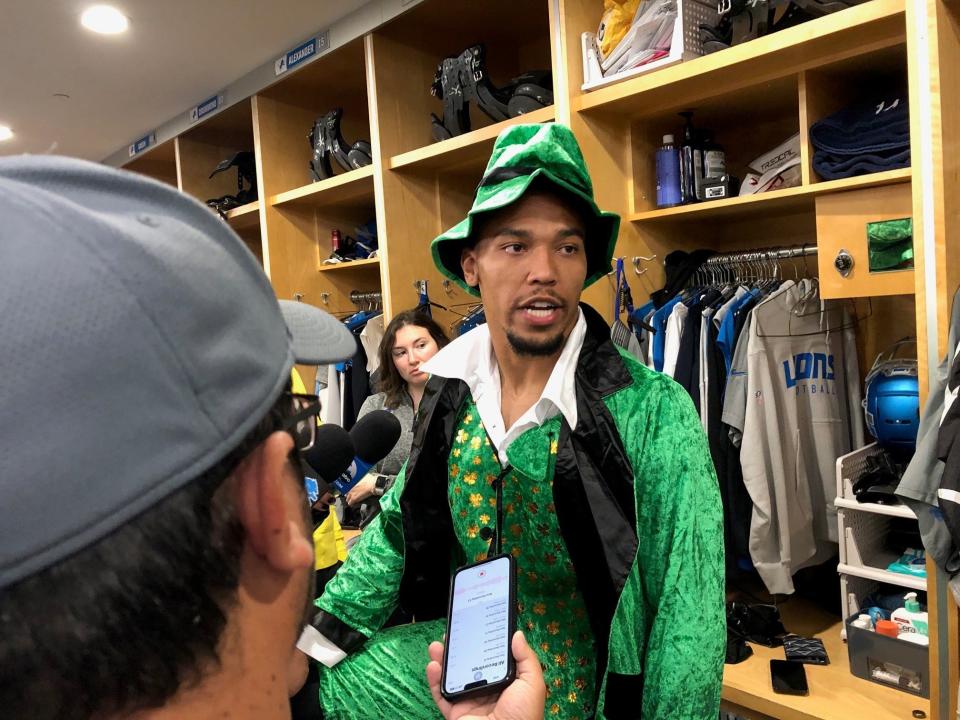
x,y
890,244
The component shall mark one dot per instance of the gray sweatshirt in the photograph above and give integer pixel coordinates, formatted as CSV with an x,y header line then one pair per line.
x,y
391,464
798,407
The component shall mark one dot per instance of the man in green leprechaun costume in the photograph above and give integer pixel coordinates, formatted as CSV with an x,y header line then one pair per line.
x,y
609,503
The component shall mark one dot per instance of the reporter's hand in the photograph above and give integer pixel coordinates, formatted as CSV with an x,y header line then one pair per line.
x,y
324,502
522,699
361,491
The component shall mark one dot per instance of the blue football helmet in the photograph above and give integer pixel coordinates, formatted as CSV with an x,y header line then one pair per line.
x,y
892,404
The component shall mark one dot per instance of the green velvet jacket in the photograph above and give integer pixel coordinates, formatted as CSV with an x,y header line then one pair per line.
x,y
638,505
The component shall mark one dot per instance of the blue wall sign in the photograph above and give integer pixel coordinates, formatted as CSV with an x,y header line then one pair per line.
x,y
142,144
302,53
210,105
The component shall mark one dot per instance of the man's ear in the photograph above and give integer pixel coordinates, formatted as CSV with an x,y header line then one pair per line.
x,y
468,263
269,506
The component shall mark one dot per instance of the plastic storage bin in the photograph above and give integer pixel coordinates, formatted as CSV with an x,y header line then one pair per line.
x,y
888,661
862,529
853,590
851,466
685,44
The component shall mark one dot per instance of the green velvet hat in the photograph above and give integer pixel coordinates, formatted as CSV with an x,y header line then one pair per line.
x,y
521,154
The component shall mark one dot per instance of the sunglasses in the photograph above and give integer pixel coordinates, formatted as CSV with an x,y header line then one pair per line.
x,y
302,425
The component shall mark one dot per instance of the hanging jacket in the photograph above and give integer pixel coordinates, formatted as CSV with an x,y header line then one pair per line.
x,y
948,451
638,507
679,266
922,479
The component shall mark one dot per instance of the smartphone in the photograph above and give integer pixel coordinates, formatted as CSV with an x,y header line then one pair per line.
x,y
789,677
480,624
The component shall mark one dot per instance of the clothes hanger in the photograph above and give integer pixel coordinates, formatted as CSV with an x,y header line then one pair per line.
x,y
469,317
424,300
844,310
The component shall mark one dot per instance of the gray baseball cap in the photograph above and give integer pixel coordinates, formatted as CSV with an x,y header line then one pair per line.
x,y
140,342
317,337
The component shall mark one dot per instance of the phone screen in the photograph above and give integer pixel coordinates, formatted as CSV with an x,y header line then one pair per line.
x,y
479,630
789,677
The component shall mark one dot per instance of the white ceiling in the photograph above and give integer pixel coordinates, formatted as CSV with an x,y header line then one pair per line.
x,y
175,54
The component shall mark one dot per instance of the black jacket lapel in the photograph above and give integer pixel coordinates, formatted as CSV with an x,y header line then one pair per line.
x,y
430,542
593,485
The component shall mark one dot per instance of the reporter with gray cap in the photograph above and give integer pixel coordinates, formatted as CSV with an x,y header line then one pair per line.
x,y
155,550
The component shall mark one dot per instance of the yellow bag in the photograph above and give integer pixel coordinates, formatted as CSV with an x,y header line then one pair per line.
x,y
617,18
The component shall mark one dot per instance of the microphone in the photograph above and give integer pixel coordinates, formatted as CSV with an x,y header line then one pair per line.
x,y
373,436
331,455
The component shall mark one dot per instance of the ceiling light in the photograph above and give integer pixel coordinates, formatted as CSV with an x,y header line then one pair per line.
x,y
104,19
5,133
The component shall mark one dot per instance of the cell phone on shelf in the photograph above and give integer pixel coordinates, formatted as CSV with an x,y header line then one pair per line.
x,y
789,677
481,619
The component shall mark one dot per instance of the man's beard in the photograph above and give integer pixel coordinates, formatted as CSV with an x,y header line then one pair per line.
x,y
535,348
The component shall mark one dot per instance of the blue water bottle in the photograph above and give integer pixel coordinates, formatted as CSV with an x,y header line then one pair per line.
x,y
668,174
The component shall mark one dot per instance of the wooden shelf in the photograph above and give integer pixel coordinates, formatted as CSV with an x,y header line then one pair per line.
x,y
201,148
245,216
776,201
884,576
363,265
230,127
858,30
900,511
334,79
470,148
158,162
835,693
353,188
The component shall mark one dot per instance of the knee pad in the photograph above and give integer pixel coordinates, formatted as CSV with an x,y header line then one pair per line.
x,y
464,79
326,139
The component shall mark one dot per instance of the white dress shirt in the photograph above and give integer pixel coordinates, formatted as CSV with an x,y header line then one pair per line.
x,y
672,333
470,358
